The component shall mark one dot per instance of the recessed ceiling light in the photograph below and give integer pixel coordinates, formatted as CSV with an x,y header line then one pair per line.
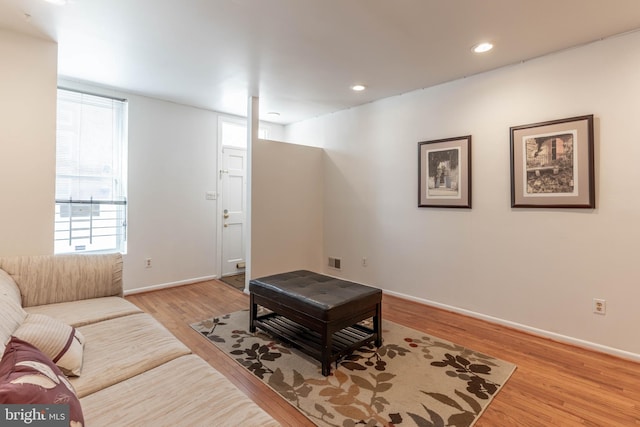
x,y
57,2
482,47
358,88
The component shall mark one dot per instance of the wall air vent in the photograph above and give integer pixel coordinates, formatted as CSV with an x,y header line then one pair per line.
x,y
334,263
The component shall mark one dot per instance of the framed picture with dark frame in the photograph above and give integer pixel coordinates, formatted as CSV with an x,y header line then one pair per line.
x,y
444,173
552,164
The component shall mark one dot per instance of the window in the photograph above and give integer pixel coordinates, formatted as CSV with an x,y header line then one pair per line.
x,y
91,166
234,132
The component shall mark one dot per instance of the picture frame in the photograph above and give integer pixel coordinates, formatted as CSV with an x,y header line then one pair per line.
x,y
444,173
552,164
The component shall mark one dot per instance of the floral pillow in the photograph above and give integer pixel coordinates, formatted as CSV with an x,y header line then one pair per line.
x,y
29,377
60,342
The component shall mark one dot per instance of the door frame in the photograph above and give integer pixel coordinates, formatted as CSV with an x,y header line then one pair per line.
x,y
264,131
221,177
220,195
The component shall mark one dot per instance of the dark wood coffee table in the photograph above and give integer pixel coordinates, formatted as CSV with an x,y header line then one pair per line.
x,y
318,314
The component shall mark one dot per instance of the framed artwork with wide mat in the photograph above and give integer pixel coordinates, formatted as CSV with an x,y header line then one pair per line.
x,y
552,164
444,173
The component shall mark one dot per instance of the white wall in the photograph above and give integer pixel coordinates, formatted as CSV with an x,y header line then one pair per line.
x,y
27,143
172,164
287,208
538,269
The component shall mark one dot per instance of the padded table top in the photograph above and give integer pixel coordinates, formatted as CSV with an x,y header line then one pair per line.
x,y
319,296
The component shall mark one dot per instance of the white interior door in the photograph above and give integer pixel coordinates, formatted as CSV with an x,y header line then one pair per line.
x,y
234,187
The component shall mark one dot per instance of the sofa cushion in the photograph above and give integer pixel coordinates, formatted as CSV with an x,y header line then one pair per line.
x,y
29,377
121,348
60,342
11,312
87,311
183,392
50,279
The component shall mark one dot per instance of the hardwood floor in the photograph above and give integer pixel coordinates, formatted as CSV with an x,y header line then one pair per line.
x,y
554,385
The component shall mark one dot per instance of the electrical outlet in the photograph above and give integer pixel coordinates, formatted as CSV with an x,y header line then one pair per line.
x,y
147,263
599,306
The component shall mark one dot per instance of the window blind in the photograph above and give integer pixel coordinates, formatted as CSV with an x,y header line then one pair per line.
x,y
91,164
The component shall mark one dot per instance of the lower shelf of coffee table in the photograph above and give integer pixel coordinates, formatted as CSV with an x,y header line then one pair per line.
x,y
344,341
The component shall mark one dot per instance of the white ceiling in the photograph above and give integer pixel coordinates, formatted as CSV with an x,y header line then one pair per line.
x,y
301,56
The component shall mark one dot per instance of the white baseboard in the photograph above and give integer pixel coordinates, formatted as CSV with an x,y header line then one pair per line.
x,y
535,331
168,285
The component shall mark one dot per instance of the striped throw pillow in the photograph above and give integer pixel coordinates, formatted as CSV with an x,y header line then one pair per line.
x,y
57,340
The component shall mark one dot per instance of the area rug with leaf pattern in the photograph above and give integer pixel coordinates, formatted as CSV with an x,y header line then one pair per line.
x,y
413,379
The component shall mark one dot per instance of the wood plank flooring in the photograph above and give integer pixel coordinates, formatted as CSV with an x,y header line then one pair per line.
x,y
554,385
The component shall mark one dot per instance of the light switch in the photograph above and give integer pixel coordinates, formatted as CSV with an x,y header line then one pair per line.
x,y
211,195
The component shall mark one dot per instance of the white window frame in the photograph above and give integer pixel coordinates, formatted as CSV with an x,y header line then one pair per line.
x,y
263,132
92,223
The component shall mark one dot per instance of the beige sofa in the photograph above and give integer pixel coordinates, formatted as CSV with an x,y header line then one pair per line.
x,y
134,372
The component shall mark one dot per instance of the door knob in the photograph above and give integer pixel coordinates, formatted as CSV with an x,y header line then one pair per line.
x,y
226,215
226,225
